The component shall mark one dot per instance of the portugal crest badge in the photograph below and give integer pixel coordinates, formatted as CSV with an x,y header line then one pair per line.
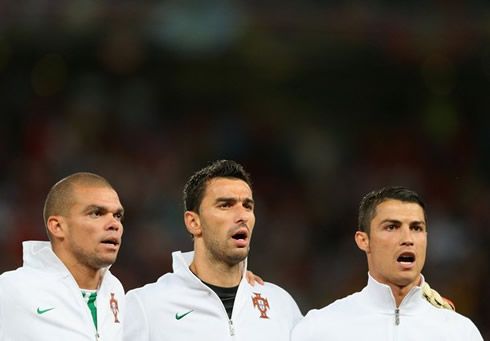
x,y
262,304
114,307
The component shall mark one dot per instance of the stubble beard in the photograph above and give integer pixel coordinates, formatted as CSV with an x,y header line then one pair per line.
x,y
222,254
91,259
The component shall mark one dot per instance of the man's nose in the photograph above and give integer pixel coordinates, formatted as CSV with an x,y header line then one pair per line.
x,y
407,237
243,214
114,224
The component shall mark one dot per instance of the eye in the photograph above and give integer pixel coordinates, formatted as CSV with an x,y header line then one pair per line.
x,y
96,213
119,216
224,205
391,227
417,228
248,206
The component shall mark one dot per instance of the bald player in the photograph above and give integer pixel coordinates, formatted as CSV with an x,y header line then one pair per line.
x,y
64,290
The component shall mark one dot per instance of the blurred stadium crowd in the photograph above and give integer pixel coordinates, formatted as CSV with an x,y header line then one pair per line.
x,y
320,103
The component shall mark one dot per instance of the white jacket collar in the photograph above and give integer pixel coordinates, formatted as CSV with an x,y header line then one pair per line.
x,y
39,255
380,297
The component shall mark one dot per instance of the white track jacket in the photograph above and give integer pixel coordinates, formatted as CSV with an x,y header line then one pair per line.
x,y
180,307
372,315
41,301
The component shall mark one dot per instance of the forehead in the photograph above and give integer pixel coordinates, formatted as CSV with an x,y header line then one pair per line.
x,y
392,209
95,195
227,187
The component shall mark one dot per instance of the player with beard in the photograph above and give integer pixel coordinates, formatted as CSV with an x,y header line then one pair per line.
x,y
207,297
64,290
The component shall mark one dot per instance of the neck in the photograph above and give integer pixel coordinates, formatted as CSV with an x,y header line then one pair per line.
x,y
399,293
85,276
215,272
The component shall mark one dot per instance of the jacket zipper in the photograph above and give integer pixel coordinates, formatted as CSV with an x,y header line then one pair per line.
x,y
77,292
397,316
230,321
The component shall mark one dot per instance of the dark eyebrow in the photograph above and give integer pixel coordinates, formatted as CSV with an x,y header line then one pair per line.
x,y
95,208
90,208
223,199
394,221
249,201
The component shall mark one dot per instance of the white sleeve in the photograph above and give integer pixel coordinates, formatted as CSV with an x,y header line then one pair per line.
x,y
302,330
475,334
135,319
289,305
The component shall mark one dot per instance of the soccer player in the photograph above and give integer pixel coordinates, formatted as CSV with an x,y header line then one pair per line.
x,y
207,296
64,290
393,234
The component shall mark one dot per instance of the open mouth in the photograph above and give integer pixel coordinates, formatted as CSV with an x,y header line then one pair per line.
x,y
240,236
406,258
111,241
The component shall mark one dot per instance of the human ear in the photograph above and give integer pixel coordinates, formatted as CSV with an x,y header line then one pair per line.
x,y
193,223
56,226
362,241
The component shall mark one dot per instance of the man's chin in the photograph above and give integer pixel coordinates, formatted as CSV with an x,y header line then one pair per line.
x,y
408,280
104,262
237,257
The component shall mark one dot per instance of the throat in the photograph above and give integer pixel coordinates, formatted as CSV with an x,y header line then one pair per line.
x,y
217,273
399,293
88,279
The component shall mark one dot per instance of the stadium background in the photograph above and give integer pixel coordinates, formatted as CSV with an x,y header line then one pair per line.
x,y
320,102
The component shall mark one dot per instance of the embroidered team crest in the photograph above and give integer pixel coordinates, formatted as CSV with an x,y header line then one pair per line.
x,y
262,304
114,307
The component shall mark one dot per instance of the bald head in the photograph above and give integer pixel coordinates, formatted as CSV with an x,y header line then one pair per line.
x,y
61,196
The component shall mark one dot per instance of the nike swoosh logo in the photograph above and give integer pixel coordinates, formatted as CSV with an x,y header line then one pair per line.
x,y
178,317
39,311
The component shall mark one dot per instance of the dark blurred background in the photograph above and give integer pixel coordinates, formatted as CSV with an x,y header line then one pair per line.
x,y
320,102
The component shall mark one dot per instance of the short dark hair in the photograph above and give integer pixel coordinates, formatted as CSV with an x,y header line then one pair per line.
x,y
195,187
367,209
60,197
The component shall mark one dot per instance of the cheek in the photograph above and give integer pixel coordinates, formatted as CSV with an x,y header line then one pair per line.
x,y
377,244
213,218
251,222
422,242
422,247
381,250
211,225
380,253
218,224
84,234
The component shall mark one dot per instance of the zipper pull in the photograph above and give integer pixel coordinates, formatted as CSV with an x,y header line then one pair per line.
x,y
397,316
232,330
97,336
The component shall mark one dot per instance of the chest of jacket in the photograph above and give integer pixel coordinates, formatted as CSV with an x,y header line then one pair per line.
x,y
47,309
200,315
